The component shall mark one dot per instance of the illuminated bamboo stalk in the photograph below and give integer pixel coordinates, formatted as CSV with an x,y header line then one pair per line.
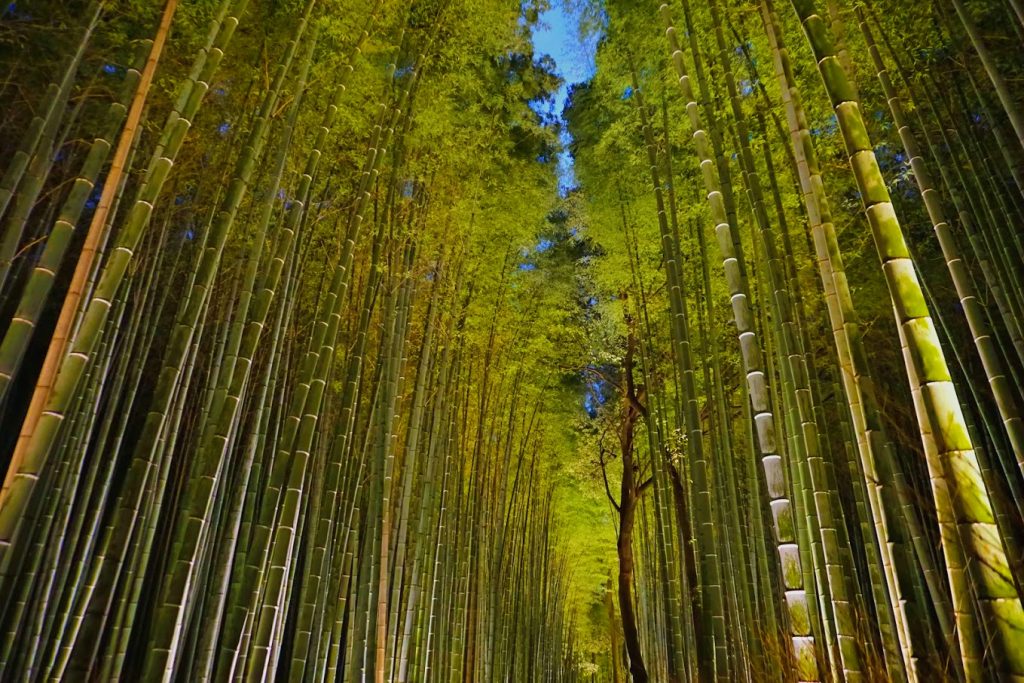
x,y
802,642
998,381
713,647
40,281
878,457
39,442
953,466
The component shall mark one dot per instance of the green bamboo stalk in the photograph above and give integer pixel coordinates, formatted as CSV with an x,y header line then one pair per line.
x,y
40,281
802,642
40,444
51,107
1010,107
168,621
877,454
953,466
29,189
995,373
827,515
713,648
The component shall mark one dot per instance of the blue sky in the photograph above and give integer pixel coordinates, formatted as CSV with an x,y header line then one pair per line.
x,y
556,35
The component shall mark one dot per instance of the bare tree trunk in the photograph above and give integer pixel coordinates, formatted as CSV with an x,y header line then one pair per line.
x,y
629,496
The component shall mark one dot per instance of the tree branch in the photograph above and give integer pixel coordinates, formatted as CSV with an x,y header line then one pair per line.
x,y
604,476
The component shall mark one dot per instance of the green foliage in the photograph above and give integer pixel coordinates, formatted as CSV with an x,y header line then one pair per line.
x,y
471,328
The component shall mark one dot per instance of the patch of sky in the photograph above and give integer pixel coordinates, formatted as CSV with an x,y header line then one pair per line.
x,y
830,128
543,245
557,36
527,266
94,198
11,10
594,397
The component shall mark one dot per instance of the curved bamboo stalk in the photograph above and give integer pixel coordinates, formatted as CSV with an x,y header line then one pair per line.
x,y
953,466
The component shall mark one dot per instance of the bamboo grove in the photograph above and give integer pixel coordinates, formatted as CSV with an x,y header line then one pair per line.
x,y
329,350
